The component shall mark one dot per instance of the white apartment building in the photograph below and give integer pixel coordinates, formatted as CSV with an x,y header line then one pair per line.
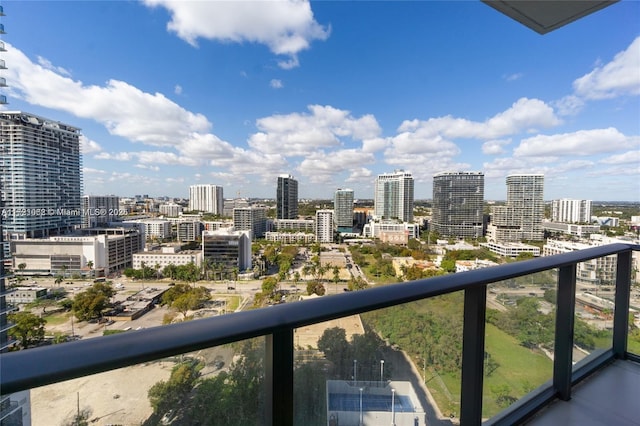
x,y
596,271
393,196
579,231
165,257
571,211
170,210
188,231
290,237
155,228
521,218
206,198
324,226
375,229
100,210
108,249
301,225
252,219
511,249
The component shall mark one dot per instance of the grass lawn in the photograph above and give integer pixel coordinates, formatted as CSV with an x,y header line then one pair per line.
x,y
57,318
521,370
232,303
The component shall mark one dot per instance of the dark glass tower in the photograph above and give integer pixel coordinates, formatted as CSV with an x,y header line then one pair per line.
x,y
287,197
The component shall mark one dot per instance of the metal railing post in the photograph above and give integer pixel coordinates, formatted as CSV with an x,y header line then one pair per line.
x,y
621,312
279,378
565,318
475,308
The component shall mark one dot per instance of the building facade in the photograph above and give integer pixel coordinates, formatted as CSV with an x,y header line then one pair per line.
x,y
170,209
228,248
393,196
343,209
100,210
287,197
252,219
40,179
206,198
189,230
458,199
108,250
375,229
165,257
324,226
522,215
571,211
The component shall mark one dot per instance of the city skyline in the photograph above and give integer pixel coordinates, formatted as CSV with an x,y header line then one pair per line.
x,y
165,102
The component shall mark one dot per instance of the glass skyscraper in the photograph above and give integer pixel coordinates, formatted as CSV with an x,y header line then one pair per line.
x,y
458,199
287,198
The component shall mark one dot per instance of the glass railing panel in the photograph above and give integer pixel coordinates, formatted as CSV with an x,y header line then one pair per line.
x,y
633,338
220,385
402,362
519,339
595,302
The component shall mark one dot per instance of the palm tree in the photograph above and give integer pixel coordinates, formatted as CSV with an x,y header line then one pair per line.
x,y
90,266
22,267
157,268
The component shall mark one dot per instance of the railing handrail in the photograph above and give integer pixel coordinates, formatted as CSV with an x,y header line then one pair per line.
x,y
47,365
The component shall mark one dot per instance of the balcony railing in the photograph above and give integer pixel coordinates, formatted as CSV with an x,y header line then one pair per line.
x,y
58,363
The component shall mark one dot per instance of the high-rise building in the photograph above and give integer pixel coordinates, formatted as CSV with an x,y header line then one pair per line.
x,y
343,208
252,219
287,197
458,199
100,210
521,217
324,226
40,179
206,198
572,211
393,198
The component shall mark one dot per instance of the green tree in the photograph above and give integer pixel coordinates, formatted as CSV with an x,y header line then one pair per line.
x,y
91,302
22,267
29,328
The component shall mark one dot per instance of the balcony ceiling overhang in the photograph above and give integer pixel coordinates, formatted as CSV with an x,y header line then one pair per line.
x,y
544,16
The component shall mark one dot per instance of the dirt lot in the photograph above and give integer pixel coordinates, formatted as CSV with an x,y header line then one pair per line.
x,y
114,397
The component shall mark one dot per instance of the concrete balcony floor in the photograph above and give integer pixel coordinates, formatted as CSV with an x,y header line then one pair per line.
x,y
609,397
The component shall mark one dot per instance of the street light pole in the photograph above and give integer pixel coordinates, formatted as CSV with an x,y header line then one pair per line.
x,y
381,371
361,418
393,410
355,371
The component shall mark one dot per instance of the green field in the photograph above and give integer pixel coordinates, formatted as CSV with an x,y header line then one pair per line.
x,y
57,318
520,369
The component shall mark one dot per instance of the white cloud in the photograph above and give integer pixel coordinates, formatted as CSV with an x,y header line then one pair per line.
x,y
619,77
321,167
117,156
276,84
569,105
151,119
524,115
495,147
89,170
580,143
360,175
88,146
629,157
147,167
303,134
287,27
174,180
513,77
177,89
45,63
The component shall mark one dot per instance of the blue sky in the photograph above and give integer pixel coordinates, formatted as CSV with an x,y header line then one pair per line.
x,y
174,93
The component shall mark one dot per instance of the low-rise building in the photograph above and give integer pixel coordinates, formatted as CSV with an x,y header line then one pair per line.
x,y
511,249
290,237
25,294
228,248
167,256
579,231
374,229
